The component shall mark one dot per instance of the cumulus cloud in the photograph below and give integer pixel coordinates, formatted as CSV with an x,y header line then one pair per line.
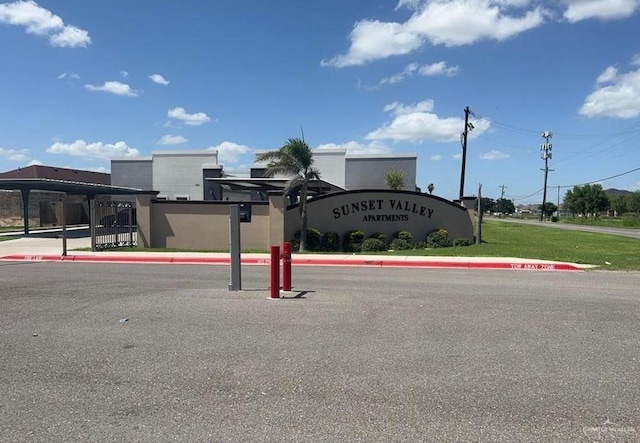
x,y
157,78
636,60
494,155
439,22
436,157
439,68
114,87
124,74
16,155
616,95
353,147
180,114
417,123
230,152
42,22
35,162
578,10
171,140
71,75
99,150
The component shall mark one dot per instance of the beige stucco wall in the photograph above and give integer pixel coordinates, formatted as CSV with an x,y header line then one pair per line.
x,y
204,226
383,211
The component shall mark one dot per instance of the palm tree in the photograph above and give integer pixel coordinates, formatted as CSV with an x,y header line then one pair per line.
x,y
295,160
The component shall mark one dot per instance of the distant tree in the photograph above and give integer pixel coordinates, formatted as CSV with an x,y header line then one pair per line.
x,y
395,179
549,209
295,160
430,188
618,204
505,206
633,202
487,204
586,199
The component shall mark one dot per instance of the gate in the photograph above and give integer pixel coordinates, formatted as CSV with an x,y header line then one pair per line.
x,y
113,225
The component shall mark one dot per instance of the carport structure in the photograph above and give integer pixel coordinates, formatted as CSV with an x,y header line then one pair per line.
x,y
90,190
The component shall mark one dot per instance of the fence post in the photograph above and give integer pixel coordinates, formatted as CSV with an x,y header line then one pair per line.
x,y
286,266
275,272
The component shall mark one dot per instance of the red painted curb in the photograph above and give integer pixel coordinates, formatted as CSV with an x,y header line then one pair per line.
x,y
533,266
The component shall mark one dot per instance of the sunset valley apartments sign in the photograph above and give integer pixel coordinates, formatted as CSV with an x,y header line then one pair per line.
x,y
382,211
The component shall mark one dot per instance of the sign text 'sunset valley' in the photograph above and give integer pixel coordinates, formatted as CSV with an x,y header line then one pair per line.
x,y
368,207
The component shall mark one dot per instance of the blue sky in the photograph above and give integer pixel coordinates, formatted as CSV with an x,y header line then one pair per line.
x,y
85,81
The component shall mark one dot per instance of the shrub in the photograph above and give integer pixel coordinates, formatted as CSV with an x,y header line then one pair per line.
x,y
399,244
420,245
438,238
330,242
379,236
461,242
554,219
353,241
404,235
373,245
313,240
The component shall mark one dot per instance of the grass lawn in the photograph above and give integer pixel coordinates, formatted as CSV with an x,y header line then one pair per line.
x,y
502,239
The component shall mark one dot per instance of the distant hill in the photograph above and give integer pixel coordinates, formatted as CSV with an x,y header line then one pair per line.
x,y
613,191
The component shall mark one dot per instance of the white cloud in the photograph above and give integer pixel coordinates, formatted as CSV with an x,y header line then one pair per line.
x,y
457,156
578,10
439,22
618,96
113,87
196,119
171,140
35,162
96,169
607,75
494,155
636,60
436,157
16,155
157,78
416,123
353,147
230,152
40,21
124,74
440,68
100,150
68,75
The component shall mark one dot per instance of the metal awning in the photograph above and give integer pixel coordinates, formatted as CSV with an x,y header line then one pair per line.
x,y
316,187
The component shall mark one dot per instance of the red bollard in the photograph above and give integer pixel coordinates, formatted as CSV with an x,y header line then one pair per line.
x,y
286,266
275,272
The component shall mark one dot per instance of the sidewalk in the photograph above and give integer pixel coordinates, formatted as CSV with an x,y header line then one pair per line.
x,y
33,248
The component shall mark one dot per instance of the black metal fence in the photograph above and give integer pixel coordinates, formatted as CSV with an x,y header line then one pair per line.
x,y
113,225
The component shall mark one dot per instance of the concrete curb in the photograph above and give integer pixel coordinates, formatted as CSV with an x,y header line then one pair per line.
x,y
355,261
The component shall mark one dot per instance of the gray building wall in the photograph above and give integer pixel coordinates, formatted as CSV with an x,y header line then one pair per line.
x,y
132,173
368,171
179,174
331,163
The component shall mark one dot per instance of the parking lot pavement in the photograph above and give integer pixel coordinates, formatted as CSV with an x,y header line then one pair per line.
x,y
96,352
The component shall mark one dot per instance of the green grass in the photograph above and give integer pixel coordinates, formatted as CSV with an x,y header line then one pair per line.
x,y
612,222
502,239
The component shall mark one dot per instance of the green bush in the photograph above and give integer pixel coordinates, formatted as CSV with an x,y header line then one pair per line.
x,y
461,242
352,241
379,236
554,219
420,245
373,245
404,235
438,238
313,240
399,244
330,242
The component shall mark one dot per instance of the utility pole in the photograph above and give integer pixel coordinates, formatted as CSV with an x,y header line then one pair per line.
x,y
467,127
501,205
503,187
546,156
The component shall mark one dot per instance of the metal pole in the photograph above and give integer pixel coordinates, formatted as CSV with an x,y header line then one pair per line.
x,y
235,283
64,227
286,266
92,223
274,292
479,217
465,133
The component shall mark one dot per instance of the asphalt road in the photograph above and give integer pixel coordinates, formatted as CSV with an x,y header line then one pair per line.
x,y
624,232
137,353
